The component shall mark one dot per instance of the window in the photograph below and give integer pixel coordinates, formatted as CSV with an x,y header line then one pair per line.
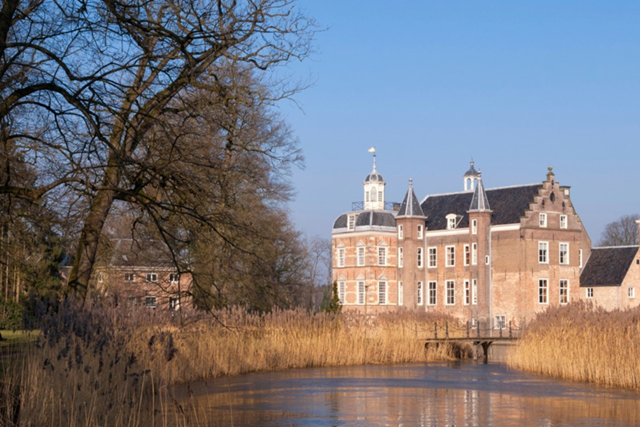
x,y
474,292
589,292
564,253
361,293
100,277
419,293
564,291
451,292
467,255
400,232
150,302
420,257
400,257
152,277
420,233
366,196
543,291
632,292
374,194
474,226
380,198
500,322
129,277
382,255
543,252
361,257
174,277
487,260
474,254
400,294
351,222
433,257
174,303
467,292
433,293
451,221
580,257
451,256
543,220
341,258
341,290
382,292
563,221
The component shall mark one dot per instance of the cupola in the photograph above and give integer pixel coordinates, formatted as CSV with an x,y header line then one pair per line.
x,y
374,187
470,178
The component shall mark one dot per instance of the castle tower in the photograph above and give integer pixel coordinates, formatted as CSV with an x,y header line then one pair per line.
x,y
374,188
480,240
411,250
470,178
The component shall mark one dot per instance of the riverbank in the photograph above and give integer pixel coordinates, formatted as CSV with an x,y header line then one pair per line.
x,y
581,342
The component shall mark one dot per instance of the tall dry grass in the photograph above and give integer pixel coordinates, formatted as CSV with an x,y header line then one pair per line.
x,y
582,342
103,366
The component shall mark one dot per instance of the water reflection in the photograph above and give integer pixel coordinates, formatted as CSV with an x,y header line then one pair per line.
x,y
461,394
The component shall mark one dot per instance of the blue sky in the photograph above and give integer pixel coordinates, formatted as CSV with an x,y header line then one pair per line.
x,y
517,86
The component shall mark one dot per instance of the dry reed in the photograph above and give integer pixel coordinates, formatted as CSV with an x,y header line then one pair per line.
x,y
582,342
105,366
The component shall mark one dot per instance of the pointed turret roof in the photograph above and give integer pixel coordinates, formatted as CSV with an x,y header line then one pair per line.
x,y
410,205
479,201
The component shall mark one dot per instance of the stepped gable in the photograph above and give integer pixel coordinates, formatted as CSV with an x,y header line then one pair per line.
x,y
507,203
607,266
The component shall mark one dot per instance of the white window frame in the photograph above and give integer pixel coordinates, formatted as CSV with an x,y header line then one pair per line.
x,y
452,220
433,293
420,232
543,291
400,232
400,293
543,252
474,292
342,291
564,296
450,289
589,292
450,256
174,277
351,222
400,257
151,301
361,291
361,255
420,293
174,303
474,254
341,257
563,256
500,322
382,292
152,277
420,258
474,226
632,292
100,277
129,277
467,292
467,255
542,220
433,257
563,221
382,255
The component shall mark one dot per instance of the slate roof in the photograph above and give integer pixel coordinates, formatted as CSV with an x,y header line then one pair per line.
x,y
374,176
410,205
139,253
479,200
367,219
607,266
508,204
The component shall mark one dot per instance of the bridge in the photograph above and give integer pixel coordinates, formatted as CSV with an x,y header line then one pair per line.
x,y
476,337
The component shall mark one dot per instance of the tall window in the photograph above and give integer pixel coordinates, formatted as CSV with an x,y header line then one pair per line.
x,y
400,257
420,257
341,290
361,289
420,233
467,255
564,291
382,292
374,194
543,252
174,303
474,254
474,226
341,252
451,256
564,253
563,221
589,292
400,294
433,293
100,277
474,292
543,291
361,257
400,232
467,292
543,220
420,293
351,222
632,292
382,255
451,292
433,257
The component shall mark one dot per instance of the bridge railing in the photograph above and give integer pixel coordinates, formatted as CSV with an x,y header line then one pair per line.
x,y
445,330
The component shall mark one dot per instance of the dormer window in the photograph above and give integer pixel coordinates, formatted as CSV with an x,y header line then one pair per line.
x,y
452,221
351,222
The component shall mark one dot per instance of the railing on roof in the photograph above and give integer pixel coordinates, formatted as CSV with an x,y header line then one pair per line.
x,y
388,206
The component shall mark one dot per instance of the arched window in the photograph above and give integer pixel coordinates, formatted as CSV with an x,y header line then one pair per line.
x,y
374,194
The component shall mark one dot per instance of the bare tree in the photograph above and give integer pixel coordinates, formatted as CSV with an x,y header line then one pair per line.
x,y
622,232
93,91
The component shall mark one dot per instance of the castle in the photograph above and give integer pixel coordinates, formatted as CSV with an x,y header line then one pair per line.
x,y
494,255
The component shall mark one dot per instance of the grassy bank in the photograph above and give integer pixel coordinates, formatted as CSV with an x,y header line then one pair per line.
x,y
112,366
583,343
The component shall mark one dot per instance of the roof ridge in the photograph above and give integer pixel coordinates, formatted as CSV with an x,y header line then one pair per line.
x,y
486,189
616,247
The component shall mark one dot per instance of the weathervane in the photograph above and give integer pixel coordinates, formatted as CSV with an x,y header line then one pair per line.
x,y
373,150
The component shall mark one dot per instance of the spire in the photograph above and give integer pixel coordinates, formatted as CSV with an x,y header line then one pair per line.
x,y
479,201
410,205
373,150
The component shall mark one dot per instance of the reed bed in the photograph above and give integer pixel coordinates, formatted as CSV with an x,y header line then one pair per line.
x,y
582,342
99,365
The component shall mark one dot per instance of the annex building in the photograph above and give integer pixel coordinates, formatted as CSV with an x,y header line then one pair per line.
x,y
493,255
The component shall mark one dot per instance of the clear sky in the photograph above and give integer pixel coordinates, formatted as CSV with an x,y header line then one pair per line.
x,y
515,85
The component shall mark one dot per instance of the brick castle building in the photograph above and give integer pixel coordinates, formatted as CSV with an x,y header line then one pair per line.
x,y
494,255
